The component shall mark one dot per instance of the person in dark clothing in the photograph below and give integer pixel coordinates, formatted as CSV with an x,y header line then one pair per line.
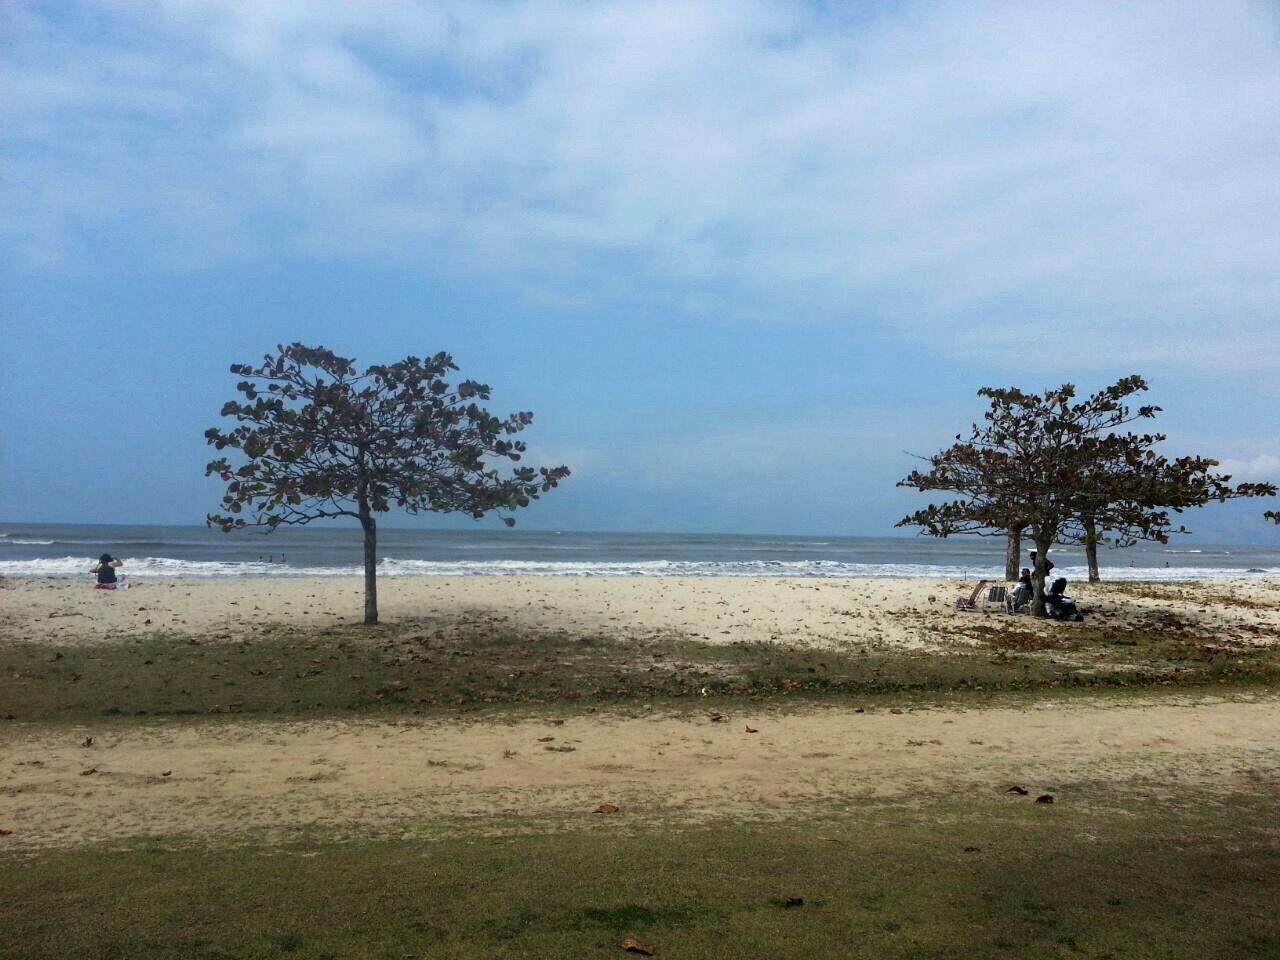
x,y
105,568
1059,605
1048,565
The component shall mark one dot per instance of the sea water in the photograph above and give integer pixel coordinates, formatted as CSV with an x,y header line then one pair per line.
x,y
67,551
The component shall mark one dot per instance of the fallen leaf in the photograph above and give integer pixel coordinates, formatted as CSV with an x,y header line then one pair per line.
x,y
557,723
794,902
607,808
751,729
91,770
972,849
1045,798
166,773
715,717
545,739
632,945
1020,791
88,742
5,833
895,710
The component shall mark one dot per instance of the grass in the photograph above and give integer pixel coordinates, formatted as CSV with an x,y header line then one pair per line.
x,y
1093,876
410,668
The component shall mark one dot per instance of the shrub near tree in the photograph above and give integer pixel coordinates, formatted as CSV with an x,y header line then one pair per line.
x,y
1064,468
322,440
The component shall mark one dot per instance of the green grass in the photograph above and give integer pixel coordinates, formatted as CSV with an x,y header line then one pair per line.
x,y
411,668
1092,876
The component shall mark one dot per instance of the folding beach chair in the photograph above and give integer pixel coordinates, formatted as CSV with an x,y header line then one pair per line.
x,y
971,601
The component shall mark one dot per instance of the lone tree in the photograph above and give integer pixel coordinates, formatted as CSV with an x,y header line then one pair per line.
x,y
321,440
1063,468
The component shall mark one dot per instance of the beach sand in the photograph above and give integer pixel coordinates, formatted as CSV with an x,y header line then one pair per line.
x,y
845,613
366,778
219,777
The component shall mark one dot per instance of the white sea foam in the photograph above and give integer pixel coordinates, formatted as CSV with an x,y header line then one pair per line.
x,y
151,567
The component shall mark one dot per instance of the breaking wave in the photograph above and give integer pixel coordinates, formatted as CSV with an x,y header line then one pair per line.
x,y
71,567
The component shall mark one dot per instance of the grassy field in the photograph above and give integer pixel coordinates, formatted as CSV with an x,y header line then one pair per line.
x,y
1124,869
1110,876
404,668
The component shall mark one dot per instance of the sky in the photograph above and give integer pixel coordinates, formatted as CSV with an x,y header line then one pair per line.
x,y
742,259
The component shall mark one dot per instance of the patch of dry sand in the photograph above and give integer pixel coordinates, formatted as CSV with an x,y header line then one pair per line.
x,y
830,613
218,780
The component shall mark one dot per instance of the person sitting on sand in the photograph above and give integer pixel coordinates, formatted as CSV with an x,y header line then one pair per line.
x,y
105,568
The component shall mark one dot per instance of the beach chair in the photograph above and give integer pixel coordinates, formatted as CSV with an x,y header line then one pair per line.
x,y
1017,599
971,601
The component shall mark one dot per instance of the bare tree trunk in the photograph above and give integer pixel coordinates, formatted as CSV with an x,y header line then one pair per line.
x,y
370,565
1043,540
1013,553
1091,549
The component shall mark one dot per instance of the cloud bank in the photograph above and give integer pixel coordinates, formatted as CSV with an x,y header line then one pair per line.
x,y
976,177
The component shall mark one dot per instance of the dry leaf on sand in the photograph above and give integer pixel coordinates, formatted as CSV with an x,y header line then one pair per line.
x,y
632,945
608,808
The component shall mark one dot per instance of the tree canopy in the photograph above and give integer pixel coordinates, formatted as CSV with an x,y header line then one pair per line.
x,y
1066,469
321,439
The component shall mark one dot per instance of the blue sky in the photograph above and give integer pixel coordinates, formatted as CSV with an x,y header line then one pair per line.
x,y
738,257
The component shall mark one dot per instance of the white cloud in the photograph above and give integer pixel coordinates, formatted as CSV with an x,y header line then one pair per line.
x,y
1264,466
952,172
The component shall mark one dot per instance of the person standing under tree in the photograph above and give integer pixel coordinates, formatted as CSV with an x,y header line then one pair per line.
x,y
1048,565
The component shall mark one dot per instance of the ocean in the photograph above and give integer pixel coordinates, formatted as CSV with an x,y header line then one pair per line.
x,y
66,551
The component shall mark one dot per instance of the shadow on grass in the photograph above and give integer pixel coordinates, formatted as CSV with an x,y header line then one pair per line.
x,y
414,668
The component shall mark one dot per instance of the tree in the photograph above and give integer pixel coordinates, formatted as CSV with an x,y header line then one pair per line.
x,y
1273,515
994,505
322,440
1063,467
1152,482
990,494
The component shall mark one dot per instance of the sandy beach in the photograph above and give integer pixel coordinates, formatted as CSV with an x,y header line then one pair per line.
x,y
221,780
834,613
256,718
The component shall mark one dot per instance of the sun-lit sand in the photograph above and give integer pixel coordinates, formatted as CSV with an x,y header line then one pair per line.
x,y
397,776
833,613
411,777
